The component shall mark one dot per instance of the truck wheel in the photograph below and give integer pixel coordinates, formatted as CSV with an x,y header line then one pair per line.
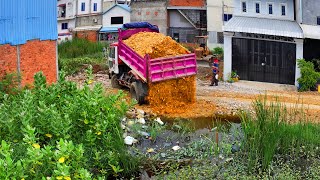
x,y
115,82
137,93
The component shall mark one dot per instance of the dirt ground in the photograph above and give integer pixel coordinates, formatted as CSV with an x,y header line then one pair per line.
x,y
228,98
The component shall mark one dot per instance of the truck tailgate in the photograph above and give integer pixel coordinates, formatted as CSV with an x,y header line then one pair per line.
x,y
161,69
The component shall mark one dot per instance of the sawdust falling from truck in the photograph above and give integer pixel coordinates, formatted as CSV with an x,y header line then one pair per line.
x,y
170,96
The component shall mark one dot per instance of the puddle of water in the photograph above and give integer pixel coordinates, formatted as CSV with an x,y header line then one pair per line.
x,y
205,122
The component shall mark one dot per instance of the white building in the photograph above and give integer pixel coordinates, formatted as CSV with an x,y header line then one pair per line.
x,y
66,19
112,19
218,13
262,42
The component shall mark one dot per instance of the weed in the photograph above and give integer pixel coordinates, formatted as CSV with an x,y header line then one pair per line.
x,y
268,133
183,126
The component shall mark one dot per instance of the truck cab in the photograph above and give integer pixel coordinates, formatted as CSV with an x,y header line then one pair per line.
x,y
112,59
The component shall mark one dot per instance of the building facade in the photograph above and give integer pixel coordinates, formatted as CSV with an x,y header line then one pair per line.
x,y
308,16
88,19
66,19
262,41
152,11
187,20
218,13
28,39
114,18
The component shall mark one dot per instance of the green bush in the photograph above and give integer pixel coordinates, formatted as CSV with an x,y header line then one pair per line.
x,y
309,76
63,132
218,51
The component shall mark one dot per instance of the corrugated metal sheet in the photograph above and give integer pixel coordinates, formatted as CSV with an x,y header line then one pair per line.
x,y
311,31
264,26
23,20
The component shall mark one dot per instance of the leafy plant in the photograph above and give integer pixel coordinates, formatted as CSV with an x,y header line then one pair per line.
x,y
218,51
309,76
63,132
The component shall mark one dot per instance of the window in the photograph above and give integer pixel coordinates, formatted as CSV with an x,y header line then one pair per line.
x,y
270,8
64,26
227,17
283,9
83,6
318,20
116,20
95,6
244,6
257,7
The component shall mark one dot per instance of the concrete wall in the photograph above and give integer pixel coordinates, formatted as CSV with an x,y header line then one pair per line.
x,y
71,24
215,11
154,12
177,20
251,10
115,12
107,4
34,56
89,20
310,11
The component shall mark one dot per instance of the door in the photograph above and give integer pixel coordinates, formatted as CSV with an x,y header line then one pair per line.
x,y
265,61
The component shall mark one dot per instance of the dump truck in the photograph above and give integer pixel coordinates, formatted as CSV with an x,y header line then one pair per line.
x,y
128,69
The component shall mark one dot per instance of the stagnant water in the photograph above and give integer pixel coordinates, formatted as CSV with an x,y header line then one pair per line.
x,y
206,122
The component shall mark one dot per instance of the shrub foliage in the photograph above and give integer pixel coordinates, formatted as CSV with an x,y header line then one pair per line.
x,y
62,132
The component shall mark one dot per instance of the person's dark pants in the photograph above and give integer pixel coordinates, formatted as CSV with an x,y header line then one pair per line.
x,y
214,80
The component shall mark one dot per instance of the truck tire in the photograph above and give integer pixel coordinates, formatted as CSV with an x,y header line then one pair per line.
x,y
115,82
137,93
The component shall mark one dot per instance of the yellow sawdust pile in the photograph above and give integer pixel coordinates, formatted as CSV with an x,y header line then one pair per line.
x,y
172,96
155,44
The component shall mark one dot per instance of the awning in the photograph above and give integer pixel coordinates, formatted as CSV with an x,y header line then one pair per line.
x,y
310,31
109,29
264,26
87,28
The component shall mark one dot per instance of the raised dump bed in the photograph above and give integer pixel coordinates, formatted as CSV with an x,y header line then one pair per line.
x,y
128,67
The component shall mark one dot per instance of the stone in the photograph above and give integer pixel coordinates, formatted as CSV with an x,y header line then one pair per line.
x,y
151,150
176,148
141,121
144,133
235,148
130,140
158,120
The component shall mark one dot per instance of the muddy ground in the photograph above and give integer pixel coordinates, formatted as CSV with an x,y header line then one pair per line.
x,y
225,101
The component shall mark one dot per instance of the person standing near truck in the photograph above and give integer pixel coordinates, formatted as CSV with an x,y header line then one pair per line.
x,y
215,71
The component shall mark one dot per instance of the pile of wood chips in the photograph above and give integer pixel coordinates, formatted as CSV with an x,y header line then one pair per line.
x,y
170,96
155,44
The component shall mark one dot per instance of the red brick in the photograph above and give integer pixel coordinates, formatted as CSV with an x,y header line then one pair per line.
x,y
193,3
8,59
38,56
89,35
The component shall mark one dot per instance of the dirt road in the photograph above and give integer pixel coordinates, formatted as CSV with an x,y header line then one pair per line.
x,y
228,99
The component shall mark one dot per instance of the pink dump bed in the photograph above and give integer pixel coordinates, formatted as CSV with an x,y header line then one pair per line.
x,y
155,70
133,60
172,67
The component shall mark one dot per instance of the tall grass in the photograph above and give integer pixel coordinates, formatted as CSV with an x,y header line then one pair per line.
x,y
79,48
74,54
269,132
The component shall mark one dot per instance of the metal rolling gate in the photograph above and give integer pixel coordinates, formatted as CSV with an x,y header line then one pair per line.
x,y
265,61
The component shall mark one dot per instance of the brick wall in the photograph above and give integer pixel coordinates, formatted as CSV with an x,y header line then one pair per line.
x,y
198,3
90,35
35,56
8,59
38,56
